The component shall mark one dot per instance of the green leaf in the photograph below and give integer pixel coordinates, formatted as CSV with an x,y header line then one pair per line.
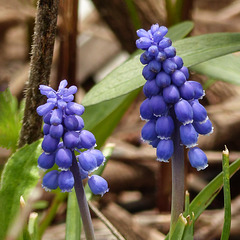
x,y
227,196
207,195
180,30
10,120
19,177
179,228
225,68
73,222
102,118
193,50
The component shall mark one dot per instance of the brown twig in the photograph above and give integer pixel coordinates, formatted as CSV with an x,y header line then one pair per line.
x,y
40,66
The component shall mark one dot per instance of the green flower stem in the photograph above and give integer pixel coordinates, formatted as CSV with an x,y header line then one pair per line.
x,y
82,201
177,180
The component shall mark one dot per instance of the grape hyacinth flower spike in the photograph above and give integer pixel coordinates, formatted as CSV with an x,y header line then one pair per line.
x,y
172,111
63,136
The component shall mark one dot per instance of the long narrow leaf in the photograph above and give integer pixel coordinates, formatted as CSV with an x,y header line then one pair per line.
x,y
193,50
225,68
19,177
227,196
73,223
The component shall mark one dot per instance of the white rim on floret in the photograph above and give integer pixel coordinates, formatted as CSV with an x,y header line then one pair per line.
x,y
191,145
63,169
204,120
104,192
203,94
46,188
202,167
162,160
146,141
210,132
163,137
187,122
43,169
66,190
144,119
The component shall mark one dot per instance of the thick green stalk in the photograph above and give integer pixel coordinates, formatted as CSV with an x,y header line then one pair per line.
x,y
82,201
177,180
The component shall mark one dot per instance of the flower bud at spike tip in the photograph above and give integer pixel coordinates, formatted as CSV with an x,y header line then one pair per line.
x,y
98,185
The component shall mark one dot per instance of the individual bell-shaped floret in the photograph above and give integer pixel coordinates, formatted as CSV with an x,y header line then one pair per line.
x,y
163,79
178,61
148,131
44,90
171,94
65,181
188,135
185,71
165,150
146,111
71,122
145,57
199,93
63,158
61,104
87,161
154,28
164,43
98,185
75,108
143,43
183,111
83,173
47,117
154,66
186,91
197,158
164,127
203,128
178,78
170,52
98,155
147,73
161,56
46,128
158,105
87,139
56,117
50,180
49,144
153,50
80,123
169,66
71,139
62,84
155,142
56,131
143,33
45,108
46,161
150,88
199,111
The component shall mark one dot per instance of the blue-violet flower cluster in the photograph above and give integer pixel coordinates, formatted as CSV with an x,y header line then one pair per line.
x,y
64,134
172,99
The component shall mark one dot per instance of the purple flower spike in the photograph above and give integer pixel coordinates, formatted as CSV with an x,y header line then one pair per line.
x,y
62,122
171,107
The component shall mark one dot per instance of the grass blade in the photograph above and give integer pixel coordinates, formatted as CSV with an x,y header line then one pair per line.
x,y
227,196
